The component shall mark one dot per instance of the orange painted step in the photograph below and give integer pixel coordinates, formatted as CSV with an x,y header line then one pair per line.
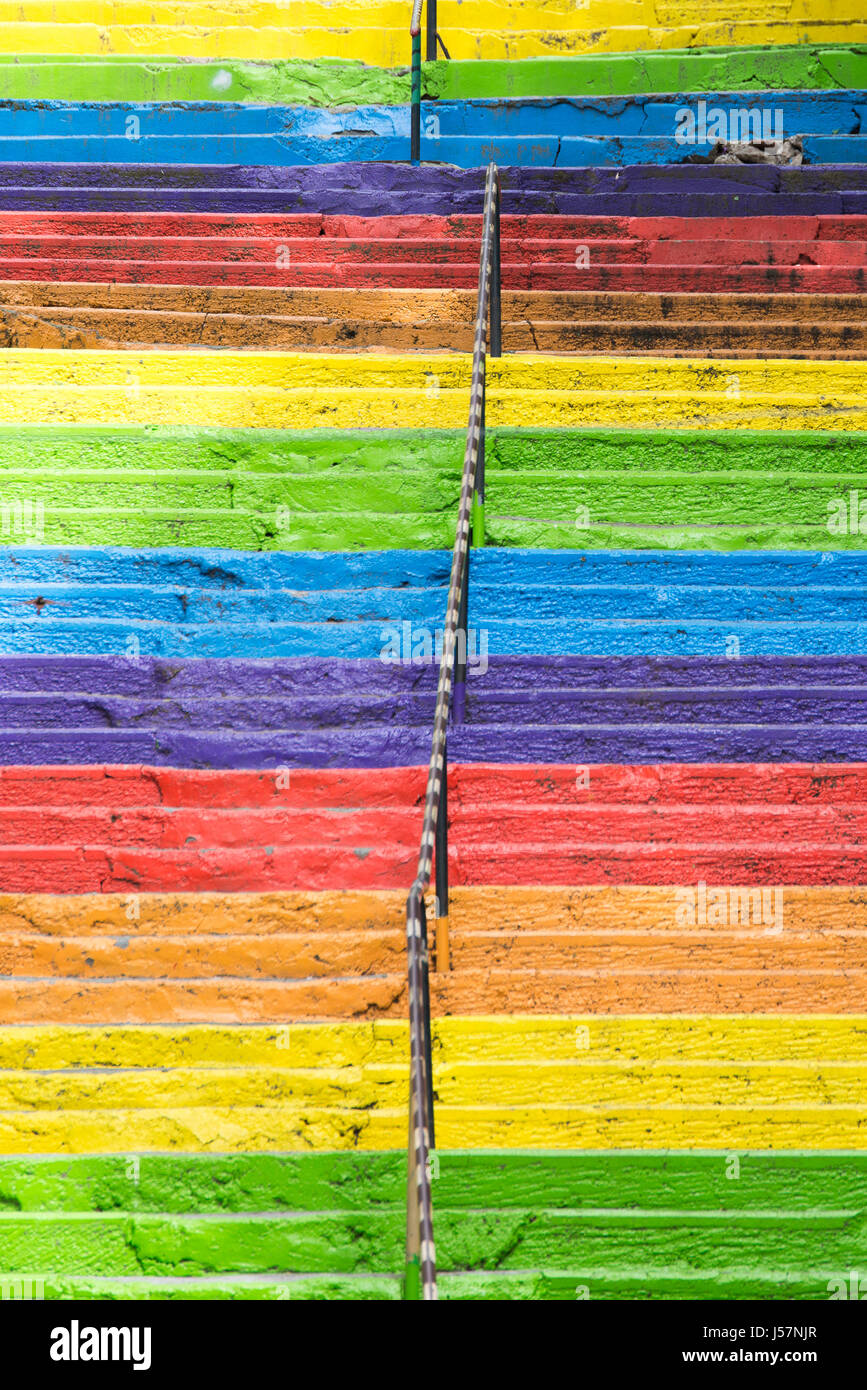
x,y
250,958
135,317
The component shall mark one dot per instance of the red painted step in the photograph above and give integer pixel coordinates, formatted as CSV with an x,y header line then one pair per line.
x,y
291,251
154,225
116,786
826,255
411,275
126,830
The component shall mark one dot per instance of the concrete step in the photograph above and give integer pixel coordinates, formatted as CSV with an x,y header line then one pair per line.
x,y
568,132
116,316
135,486
682,1081
95,958
390,189
332,83
377,32
356,391
641,604
554,824
320,711
544,1201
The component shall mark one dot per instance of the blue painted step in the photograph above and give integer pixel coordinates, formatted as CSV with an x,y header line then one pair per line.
x,y
573,132
377,605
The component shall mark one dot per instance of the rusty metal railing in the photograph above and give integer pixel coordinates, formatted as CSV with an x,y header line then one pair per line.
x,y
420,1272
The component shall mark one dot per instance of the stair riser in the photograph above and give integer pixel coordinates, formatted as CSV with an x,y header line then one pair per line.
x,y
443,230
660,279
389,46
298,82
364,190
813,113
84,328
202,1183
534,250
122,1245
464,152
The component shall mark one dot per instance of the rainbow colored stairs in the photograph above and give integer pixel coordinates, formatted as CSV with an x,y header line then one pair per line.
x,y
233,396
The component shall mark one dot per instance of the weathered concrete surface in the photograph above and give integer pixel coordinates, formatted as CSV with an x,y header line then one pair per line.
x,y
566,132
630,275
410,228
523,916
121,317
331,82
616,950
309,390
689,1186
377,33
179,1183
70,710
692,69
659,603
373,1241
680,1082
735,824
364,190
91,328
296,82
110,317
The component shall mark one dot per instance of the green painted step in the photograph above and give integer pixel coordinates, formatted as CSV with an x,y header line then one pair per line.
x,y
331,82
366,1241
477,1179
349,490
524,1286
632,74
296,82
509,1225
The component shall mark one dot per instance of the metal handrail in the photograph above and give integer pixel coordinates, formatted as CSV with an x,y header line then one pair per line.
x,y
415,84
431,35
420,1280
432,38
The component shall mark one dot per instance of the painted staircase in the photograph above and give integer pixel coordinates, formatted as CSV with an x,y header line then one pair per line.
x,y
219,516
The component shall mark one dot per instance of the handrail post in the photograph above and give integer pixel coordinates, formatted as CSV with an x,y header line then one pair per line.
x,y
496,297
428,1044
479,493
420,1264
412,1290
441,936
459,701
431,36
415,92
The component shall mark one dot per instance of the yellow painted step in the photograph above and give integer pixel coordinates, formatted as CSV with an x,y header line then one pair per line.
x,y
726,1082
288,390
612,1087
469,14
277,1129
376,31
731,1038
24,367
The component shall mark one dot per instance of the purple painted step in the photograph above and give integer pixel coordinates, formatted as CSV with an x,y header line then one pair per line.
x,y
371,189
161,677
318,712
